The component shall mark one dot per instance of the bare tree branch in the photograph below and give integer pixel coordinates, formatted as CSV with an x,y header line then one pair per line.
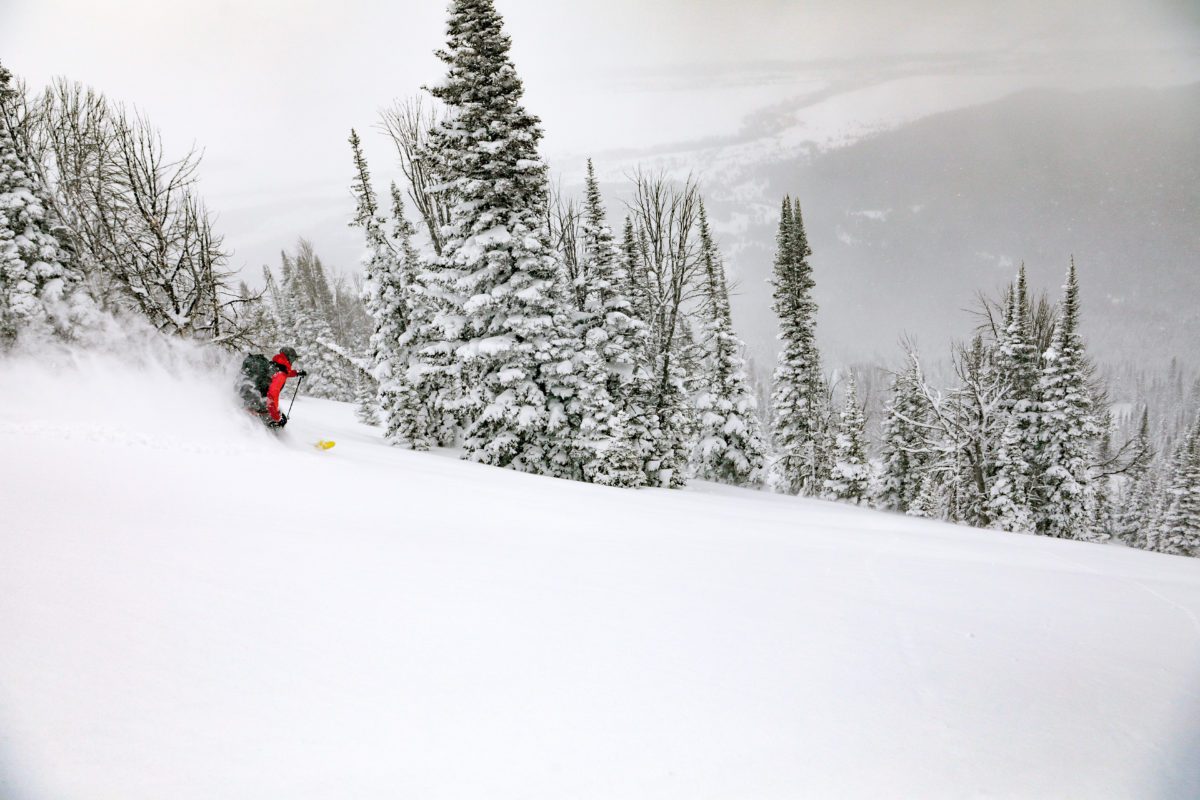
x,y
407,123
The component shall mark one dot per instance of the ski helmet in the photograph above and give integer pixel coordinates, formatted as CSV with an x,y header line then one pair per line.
x,y
289,354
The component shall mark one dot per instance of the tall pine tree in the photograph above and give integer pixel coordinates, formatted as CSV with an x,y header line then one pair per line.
x,y
904,453
387,294
310,307
730,448
616,437
1009,504
1066,430
1008,499
799,403
931,501
1180,529
376,265
849,476
500,300
1018,354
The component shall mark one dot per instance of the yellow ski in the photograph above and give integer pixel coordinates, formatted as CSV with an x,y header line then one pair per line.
x,y
324,444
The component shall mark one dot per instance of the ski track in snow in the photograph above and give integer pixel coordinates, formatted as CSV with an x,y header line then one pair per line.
x,y
206,610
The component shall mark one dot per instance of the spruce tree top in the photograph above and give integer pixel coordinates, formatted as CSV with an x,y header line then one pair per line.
x,y
498,168
594,204
793,280
364,195
718,290
1069,319
1022,299
1067,344
605,275
784,253
6,90
495,259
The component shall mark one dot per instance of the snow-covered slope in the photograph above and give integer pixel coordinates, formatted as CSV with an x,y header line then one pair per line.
x,y
191,609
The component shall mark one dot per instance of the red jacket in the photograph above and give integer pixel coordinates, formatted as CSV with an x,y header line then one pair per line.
x,y
277,383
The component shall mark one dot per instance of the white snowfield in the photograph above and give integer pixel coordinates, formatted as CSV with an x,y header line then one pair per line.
x,y
191,609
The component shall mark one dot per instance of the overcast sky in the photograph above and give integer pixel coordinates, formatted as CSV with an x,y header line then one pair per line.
x,y
270,88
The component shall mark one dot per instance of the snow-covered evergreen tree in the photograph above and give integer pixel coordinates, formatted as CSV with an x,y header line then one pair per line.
x,y
302,304
1141,516
388,296
277,325
1018,356
1009,503
931,501
904,452
366,399
1066,430
730,447
675,418
849,475
1008,499
416,372
331,375
499,295
585,439
588,437
616,439
39,293
384,290
1179,533
799,411
631,260
432,399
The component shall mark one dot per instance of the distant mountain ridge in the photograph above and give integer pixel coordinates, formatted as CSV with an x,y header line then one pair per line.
x,y
906,225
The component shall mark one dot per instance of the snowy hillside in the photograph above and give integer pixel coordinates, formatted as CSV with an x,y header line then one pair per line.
x,y
191,609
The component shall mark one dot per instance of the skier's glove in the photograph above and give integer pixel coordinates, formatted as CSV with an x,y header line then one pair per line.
x,y
301,373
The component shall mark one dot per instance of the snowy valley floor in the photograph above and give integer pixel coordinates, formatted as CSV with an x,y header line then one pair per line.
x,y
190,609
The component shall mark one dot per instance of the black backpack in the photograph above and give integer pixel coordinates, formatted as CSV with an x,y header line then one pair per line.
x,y
257,371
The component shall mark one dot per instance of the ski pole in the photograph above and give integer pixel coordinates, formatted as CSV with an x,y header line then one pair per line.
x,y
289,413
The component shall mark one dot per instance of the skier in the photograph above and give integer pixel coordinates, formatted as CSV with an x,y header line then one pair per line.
x,y
262,381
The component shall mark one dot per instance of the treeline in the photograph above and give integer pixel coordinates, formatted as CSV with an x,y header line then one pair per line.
x,y
521,326
1025,441
518,325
